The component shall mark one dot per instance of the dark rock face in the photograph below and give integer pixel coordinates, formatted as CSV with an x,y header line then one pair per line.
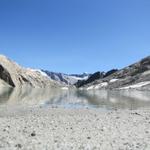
x,y
80,75
110,72
93,77
4,75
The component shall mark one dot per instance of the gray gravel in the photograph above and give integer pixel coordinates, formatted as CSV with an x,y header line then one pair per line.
x,y
66,129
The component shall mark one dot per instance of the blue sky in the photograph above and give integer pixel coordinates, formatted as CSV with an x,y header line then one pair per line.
x,y
75,36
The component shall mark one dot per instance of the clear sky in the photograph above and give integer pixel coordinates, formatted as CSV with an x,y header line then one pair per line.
x,y
75,36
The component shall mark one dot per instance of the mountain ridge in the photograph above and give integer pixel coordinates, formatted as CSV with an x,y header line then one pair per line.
x,y
126,77
66,79
136,75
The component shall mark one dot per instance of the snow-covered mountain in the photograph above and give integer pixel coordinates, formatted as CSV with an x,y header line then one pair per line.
x,y
66,79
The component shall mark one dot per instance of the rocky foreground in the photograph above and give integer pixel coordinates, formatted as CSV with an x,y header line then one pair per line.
x,y
58,128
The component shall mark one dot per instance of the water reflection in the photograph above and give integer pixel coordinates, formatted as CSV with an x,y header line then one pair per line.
x,y
76,98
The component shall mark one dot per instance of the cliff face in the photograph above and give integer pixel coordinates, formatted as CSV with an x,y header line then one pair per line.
x,y
92,78
16,76
5,76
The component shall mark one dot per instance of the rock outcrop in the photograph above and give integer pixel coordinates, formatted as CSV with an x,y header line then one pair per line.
x,y
93,77
16,76
4,75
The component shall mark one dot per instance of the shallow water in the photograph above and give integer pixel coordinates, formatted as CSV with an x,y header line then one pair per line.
x,y
103,99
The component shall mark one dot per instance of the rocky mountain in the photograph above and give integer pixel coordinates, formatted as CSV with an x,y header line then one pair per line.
x,y
95,76
66,79
136,76
13,75
91,78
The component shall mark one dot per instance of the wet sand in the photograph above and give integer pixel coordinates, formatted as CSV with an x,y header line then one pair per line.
x,y
59,128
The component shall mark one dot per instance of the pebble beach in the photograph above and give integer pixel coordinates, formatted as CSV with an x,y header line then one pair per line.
x,y
39,128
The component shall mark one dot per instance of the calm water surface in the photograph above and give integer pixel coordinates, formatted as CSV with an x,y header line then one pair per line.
x,y
103,99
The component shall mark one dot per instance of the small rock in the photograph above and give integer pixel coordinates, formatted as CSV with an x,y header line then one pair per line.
x,y
4,130
135,113
146,132
18,145
33,134
55,141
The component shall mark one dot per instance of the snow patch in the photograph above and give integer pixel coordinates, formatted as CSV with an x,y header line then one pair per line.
x,y
39,71
113,80
90,88
146,73
101,85
79,78
138,85
64,88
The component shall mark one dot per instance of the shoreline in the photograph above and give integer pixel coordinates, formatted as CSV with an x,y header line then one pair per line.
x,y
60,128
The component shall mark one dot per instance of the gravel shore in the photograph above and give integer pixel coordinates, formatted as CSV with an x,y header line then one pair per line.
x,y
59,128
